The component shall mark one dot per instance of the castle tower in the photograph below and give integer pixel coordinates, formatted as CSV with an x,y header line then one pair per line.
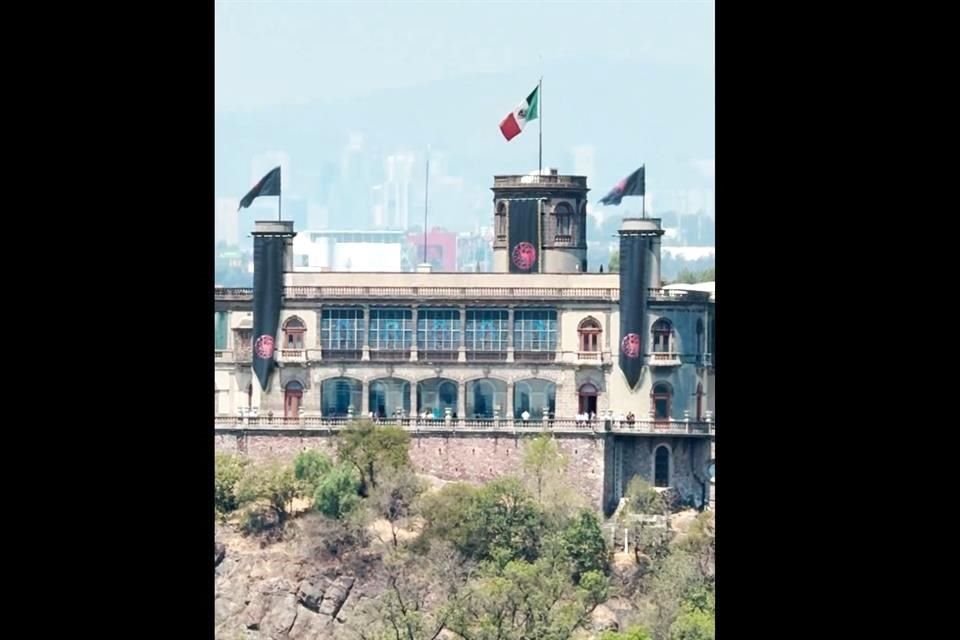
x,y
282,228
540,223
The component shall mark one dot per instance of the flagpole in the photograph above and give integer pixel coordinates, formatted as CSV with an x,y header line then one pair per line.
x,y
644,201
280,196
540,120
426,201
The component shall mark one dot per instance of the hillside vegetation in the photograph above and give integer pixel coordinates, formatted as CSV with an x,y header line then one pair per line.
x,y
362,547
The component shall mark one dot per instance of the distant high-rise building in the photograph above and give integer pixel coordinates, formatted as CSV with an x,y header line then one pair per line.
x,y
226,221
396,191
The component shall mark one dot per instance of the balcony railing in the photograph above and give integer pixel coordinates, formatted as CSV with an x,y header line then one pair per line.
x,y
564,425
606,294
664,359
534,356
389,355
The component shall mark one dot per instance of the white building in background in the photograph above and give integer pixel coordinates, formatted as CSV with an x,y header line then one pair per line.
x,y
371,251
227,220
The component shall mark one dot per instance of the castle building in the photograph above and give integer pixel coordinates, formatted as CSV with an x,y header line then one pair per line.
x,y
540,343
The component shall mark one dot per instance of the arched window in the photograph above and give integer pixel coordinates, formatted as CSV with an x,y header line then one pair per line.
x,y
293,330
436,395
564,224
661,466
662,331
660,399
587,398
534,396
292,399
338,395
483,398
589,331
501,221
390,397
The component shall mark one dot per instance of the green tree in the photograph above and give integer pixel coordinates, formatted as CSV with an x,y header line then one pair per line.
x,y
525,600
273,482
542,460
443,513
310,467
228,470
694,624
505,523
371,449
614,265
584,546
634,633
643,498
336,494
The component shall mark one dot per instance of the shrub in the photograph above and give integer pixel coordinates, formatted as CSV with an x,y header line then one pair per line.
x,y
644,498
336,494
309,468
273,482
228,470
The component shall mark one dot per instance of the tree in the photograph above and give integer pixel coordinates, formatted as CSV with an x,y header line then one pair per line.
x,y
643,498
310,467
584,546
443,513
272,482
522,600
228,470
395,498
694,624
336,493
634,633
542,459
420,595
372,449
614,265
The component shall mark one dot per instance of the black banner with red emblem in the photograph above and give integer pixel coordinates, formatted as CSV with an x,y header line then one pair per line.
x,y
523,236
267,293
633,304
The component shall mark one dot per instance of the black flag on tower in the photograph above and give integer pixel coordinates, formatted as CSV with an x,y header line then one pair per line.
x,y
632,185
523,238
267,292
269,185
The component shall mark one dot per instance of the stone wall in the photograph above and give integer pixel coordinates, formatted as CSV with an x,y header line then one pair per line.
x,y
454,457
688,461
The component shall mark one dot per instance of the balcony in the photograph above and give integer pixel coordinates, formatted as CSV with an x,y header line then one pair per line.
x,y
389,355
534,356
223,355
452,355
293,355
664,359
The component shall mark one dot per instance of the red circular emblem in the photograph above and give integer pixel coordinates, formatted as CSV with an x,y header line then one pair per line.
x,y
630,345
524,255
264,347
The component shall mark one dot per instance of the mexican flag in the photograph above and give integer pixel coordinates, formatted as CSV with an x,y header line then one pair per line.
x,y
525,112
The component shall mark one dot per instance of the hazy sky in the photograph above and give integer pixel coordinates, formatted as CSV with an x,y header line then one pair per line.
x,y
630,81
287,52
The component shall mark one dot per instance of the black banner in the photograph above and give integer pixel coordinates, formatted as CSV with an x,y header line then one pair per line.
x,y
267,293
633,304
523,237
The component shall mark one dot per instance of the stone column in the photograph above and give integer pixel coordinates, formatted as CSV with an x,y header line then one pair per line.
x,y
462,400
413,399
462,355
508,412
365,398
510,335
318,341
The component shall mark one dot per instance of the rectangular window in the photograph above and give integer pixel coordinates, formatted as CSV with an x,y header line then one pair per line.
x,y
341,330
220,330
535,330
391,329
486,331
438,332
